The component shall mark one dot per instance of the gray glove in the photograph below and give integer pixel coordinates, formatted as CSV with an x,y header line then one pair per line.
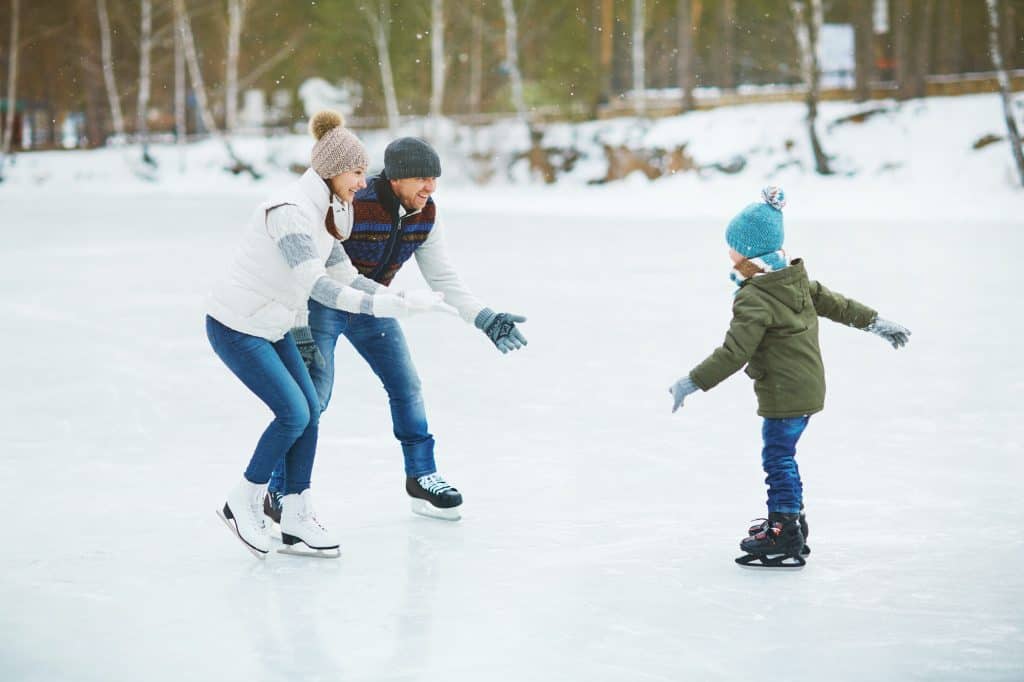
x,y
896,334
500,328
680,390
311,355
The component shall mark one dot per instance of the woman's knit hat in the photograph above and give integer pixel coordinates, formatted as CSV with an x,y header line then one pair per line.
x,y
757,229
336,150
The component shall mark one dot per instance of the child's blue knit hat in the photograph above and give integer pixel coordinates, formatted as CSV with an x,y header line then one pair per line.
x,y
757,229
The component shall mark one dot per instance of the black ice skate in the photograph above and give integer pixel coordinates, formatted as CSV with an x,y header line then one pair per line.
x,y
762,525
432,496
778,545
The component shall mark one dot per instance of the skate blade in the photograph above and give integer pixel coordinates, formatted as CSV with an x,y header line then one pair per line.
x,y
234,531
777,561
424,508
307,551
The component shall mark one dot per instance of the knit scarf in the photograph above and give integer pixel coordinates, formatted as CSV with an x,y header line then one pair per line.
x,y
762,265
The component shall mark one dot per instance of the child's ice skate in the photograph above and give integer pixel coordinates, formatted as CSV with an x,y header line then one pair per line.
x,y
762,525
778,545
432,496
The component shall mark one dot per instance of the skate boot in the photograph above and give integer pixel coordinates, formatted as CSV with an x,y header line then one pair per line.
x,y
300,527
433,496
243,514
779,545
272,506
762,525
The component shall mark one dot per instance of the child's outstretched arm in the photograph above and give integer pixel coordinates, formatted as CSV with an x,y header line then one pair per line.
x,y
845,310
749,322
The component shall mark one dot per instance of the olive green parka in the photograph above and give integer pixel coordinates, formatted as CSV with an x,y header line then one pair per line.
x,y
774,332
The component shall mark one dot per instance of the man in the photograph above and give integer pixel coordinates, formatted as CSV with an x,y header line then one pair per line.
x,y
395,218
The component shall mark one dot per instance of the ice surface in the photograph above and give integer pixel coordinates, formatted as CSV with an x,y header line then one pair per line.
x,y
599,529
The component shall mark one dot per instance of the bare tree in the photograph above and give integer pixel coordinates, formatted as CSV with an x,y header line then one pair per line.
x,y
476,59
108,70
1004,86
924,43
864,48
145,45
686,56
184,27
12,79
180,123
380,24
727,63
606,49
437,59
901,49
512,57
807,27
236,17
639,62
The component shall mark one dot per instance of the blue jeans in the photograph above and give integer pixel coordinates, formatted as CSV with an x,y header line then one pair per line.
x,y
276,374
785,491
382,344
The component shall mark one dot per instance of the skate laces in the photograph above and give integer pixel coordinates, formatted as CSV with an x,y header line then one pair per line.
x,y
434,484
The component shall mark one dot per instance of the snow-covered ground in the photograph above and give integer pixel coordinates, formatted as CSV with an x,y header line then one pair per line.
x,y
599,529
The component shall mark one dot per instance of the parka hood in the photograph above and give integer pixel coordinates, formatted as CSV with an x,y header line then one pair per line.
x,y
788,285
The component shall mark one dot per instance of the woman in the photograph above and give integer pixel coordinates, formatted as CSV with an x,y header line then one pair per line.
x,y
289,254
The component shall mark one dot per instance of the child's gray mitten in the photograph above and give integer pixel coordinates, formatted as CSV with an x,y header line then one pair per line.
x,y
311,355
894,333
500,328
680,390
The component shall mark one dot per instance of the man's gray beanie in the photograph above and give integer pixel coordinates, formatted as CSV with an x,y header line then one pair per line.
x,y
411,157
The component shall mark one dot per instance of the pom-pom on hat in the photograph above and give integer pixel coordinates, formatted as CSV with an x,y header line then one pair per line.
x,y
411,157
336,150
757,229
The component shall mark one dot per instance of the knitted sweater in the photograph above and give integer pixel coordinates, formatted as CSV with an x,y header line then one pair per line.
x,y
380,220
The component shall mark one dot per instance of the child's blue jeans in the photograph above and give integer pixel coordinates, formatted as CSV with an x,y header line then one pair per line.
x,y
276,374
785,491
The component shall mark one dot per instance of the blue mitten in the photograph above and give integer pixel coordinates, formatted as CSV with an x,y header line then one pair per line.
x,y
500,328
896,334
680,390
311,355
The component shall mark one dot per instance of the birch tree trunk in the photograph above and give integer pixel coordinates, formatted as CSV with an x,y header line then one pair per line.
x,y
380,24
807,29
199,88
512,58
180,122
606,48
145,45
1004,86
236,17
686,56
639,62
12,80
108,70
437,59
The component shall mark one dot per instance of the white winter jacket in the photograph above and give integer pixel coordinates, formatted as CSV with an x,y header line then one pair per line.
x,y
264,295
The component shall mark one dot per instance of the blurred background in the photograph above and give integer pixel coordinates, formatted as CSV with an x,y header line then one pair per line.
x,y
89,70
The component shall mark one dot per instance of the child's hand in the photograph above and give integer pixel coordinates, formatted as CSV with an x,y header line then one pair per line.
x,y
680,390
896,334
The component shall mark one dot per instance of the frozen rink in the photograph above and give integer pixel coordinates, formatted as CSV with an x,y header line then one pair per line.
x,y
599,530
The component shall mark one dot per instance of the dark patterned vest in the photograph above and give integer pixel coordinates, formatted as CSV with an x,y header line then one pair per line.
x,y
381,242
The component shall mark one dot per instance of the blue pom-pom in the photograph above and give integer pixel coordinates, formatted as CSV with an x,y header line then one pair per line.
x,y
774,197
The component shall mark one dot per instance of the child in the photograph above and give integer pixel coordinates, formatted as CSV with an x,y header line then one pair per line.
x,y
774,332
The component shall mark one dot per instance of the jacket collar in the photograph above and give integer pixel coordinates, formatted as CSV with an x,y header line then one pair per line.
x,y
316,189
